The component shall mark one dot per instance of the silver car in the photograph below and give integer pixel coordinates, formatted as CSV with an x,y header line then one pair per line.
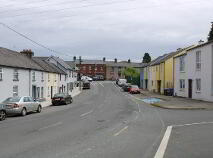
x,y
21,105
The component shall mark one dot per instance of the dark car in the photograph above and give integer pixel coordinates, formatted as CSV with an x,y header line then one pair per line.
x,y
86,85
2,112
126,87
61,99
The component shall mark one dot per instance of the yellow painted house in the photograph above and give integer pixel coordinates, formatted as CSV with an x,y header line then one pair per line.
x,y
155,75
166,65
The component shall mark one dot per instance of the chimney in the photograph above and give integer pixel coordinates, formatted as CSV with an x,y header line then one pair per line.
x,y
28,53
74,58
200,42
104,59
116,60
129,61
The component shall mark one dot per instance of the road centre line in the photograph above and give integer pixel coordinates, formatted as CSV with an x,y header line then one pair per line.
x,y
50,126
163,145
191,124
101,84
122,130
82,115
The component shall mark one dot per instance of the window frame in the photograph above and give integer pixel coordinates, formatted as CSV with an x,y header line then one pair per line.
x,y
1,73
15,75
198,85
15,90
182,63
182,84
198,60
33,76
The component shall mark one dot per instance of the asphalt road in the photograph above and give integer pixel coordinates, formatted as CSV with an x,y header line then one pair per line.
x,y
104,122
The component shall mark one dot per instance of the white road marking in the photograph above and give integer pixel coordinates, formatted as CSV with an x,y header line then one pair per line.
x,y
50,126
87,113
191,124
162,148
101,84
122,130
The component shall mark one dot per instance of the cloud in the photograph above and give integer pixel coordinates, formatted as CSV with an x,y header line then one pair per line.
x,y
117,28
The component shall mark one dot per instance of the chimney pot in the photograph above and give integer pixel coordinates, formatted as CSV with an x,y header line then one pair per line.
x,y
200,42
104,59
116,60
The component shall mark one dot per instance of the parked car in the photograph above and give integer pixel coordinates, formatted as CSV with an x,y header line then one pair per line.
x,y
2,112
121,82
86,85
21,105
116,81
126,87
61,99
95,78
134,89
86,78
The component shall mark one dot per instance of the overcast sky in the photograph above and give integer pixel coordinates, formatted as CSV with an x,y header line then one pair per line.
x,y
95,29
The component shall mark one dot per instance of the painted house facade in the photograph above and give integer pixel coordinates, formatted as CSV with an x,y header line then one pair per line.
x,y
18,75
194,73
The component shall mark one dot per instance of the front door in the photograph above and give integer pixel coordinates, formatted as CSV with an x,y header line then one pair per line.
x,y
34,92
190,88
159,85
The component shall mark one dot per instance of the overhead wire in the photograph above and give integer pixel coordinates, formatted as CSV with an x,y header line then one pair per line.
x,y
33,41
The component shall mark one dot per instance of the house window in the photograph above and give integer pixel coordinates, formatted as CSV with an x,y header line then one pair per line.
x,y
96,68
198,85
113,69
48,77
42,92
15,75
72,74
65,77
182,63
69,73
15,91
84,68
48,91
55,78
198,60
42,76
182,84
90,68
152,82
38,92
101,68
60,77
1,74
33,76
156,68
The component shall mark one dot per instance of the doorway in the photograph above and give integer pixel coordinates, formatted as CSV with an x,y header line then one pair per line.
x,y
51,92
190,88
34,92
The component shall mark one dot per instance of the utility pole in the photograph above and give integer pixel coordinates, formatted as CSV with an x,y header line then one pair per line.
x,y
79,73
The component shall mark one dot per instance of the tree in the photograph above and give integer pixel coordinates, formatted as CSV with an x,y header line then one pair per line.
x,y
132,75
146,58
210,36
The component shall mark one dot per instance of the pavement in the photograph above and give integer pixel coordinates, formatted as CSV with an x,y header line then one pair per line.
x,y
170,102
105,122
47,103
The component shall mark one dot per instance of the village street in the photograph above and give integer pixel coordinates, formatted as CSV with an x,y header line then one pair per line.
x,y
105,122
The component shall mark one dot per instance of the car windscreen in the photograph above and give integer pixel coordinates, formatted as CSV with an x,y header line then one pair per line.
x,y
59,95
134,86
12,100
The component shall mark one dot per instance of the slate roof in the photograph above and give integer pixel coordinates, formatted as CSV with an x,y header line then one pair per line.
x,y
61,62
201,45
47,66
15,59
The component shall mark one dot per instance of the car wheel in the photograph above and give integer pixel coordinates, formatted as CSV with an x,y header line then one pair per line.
x,y
24,112
39,109
2,115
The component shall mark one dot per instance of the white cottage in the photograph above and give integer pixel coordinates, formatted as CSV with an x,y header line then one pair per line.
x,y
194,73
19,75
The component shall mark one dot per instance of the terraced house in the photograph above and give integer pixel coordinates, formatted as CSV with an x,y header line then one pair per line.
x,y
194,72
20,76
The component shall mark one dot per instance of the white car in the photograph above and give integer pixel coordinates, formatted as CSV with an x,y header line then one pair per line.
x,y
122,82
86,78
